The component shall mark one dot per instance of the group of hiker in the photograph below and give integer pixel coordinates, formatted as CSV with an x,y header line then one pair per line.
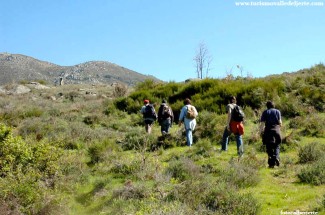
x,y
270,123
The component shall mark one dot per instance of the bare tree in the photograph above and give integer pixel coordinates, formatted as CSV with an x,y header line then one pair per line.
x,y
241,70
202,60
229,75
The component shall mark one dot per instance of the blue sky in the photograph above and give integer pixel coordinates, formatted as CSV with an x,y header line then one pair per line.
x,y
160,38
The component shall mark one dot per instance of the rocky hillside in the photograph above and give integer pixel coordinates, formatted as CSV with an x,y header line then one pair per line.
x,y
17,68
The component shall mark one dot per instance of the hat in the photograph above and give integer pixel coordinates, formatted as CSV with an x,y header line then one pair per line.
x,y
146,101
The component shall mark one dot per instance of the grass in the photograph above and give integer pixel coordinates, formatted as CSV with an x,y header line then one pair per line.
x,y
286,194
278,190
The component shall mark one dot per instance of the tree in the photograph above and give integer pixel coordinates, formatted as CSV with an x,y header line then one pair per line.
x,y
202,60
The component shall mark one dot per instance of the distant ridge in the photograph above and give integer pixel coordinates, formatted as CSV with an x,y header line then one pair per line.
x,y
17,68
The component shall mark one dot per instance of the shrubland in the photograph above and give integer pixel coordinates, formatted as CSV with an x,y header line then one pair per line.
x,y
83,150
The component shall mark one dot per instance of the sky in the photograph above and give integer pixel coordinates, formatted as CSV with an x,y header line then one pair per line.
x,y
161,37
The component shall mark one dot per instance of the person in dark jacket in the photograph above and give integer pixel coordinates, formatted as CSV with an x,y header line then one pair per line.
x,y
165,117
271,135
149,115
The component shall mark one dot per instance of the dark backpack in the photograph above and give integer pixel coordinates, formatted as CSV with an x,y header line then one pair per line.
x,y
149,112
237,114
166,112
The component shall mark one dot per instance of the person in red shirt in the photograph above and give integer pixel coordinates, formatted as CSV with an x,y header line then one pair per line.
x,y
237,128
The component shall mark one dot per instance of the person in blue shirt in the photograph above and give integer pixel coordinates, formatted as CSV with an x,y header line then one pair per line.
x,y
271,135
189,121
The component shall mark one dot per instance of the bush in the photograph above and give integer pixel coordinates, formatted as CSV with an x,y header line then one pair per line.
x,y
14,152
204,148
291,106
209,124
126,167
95,152
313,173
290,141
166,141
310,125
120,90
210,197
135,141
182,169
224,199
91,120
311,152
27,171
101,150
243,173
131,191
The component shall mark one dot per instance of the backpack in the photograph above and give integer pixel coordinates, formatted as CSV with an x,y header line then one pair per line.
x,y
166,112
237,114
149,112
190,114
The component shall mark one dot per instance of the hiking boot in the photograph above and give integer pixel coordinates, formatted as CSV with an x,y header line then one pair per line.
x,y
277,162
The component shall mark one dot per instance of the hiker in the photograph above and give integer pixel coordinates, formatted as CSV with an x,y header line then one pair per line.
x,y
165,117
149,115
234,126
271,134
188,115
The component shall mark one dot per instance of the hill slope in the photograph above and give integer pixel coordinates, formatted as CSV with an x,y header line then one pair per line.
x,y
16,67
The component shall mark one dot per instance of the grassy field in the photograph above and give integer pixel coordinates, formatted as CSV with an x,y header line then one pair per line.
x,y
278,189
65,151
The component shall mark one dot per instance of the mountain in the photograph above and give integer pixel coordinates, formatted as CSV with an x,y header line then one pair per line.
x,y
17,68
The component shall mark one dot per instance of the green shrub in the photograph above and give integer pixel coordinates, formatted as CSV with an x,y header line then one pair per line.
x,y
254,136
91,120
27,170
244,173
14,152
309,125
32,112
166,141
209,124
290,106
313,173
126,168
135,141
204,148
101,150
72,96
95,152
224,199
109,108
210,197
182,169
290,141
46,159
130,191
311,152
